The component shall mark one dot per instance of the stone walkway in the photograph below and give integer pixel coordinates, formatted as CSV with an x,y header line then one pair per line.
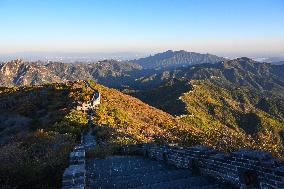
x,y
75,175
89,140
123,172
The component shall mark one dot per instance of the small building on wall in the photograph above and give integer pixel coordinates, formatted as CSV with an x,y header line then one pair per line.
x,y
96,99
84,107
90,105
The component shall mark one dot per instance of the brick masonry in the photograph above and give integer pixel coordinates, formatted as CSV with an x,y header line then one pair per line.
x,y
243,169
74,175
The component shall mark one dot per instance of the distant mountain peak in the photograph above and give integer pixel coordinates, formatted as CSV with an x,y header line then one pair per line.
x,y
245,59
179,58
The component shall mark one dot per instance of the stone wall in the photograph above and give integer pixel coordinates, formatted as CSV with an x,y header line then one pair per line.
x,y
86,106
90,105
242,169
74,175
96,98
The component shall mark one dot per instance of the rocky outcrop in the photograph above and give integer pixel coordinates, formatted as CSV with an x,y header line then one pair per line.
x,y
18,73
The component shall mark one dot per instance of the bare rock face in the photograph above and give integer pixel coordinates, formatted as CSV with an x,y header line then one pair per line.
x,y
17,72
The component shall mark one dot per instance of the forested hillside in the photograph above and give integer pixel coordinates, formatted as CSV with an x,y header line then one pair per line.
x,y
39,125
240,95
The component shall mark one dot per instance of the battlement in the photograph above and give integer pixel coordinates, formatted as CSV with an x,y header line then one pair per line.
x,y
90,105
242,169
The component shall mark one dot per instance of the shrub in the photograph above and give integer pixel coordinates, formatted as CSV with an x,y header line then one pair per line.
x,y
73,123
37,162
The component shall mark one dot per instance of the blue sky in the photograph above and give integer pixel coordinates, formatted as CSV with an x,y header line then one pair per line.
x,y
225,27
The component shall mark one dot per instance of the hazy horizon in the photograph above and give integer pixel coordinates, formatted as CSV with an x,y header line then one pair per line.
x,y
88,57
252,28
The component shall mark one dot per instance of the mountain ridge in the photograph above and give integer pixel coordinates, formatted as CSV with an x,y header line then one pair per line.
x,y
17,72
170,59
112,73
241,94
229,105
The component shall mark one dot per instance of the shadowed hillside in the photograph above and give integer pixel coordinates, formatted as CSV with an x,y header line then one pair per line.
x,y
242,95
39,128
123,119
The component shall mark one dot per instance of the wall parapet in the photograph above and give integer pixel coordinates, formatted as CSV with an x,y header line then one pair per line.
x,y
74,175
242,169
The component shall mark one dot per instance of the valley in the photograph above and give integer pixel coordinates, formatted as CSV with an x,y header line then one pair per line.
x,y
142,94
227,105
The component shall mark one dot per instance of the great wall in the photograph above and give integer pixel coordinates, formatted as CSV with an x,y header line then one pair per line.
x,y
91,104
74,176
154,166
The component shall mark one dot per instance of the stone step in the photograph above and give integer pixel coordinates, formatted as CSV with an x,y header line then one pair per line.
x,y
77,161
184,183
79,186
97,165
77,157
99,176
136,181
79,147
123,172
102,164
127,172
126,167
124,159
74,171
149,175
73,181
212,186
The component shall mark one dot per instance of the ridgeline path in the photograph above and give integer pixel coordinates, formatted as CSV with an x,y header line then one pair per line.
x,y
123,172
